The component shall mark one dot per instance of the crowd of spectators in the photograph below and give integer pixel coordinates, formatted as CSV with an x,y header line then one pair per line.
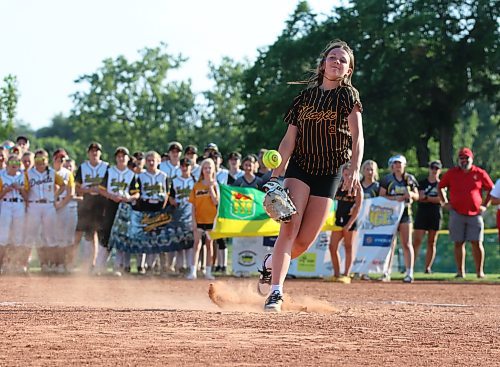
x,y
55,207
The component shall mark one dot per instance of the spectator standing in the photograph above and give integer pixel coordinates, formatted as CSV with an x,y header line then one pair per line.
x,y
205,198
249,178
191,153
348,207
428,218
469,195
90,210
401,186
369,183
495,200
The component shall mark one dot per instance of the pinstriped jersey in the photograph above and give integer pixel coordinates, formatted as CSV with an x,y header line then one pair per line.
x,y
7,180
323,141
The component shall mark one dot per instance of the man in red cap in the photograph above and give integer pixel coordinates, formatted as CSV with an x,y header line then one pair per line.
x,y
466,184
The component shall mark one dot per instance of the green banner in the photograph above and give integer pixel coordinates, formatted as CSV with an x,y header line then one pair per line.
x,y
241,214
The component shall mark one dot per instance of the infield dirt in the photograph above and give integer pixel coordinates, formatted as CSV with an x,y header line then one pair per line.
x,y
135,320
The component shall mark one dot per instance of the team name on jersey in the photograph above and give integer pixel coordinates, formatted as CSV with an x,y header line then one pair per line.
x,y
92,176
309,113
119,181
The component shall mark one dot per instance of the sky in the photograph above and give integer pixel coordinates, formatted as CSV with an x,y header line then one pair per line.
x,y
48,44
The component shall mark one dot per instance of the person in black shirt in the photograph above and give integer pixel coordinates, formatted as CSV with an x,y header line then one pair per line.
x,y
403,187
324,132
369,183
429,214
348,207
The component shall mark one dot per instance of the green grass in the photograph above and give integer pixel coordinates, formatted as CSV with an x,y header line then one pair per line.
x,y
449,277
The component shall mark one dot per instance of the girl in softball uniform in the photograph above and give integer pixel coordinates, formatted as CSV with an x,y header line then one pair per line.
x,y
403,187
150,190
66,211
183,215
115,188
205,198
324,132
42,183
12,215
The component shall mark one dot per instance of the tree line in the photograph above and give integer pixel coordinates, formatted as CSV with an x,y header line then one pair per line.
x,y
427,72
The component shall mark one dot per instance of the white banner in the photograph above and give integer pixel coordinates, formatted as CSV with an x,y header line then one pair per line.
x,y
248,253
377,224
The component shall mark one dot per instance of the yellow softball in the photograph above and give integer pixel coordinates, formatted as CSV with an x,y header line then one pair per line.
x,y
272,159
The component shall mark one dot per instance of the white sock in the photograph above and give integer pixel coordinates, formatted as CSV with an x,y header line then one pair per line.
x,y
192,270
269,262
208,270
409,272
278,288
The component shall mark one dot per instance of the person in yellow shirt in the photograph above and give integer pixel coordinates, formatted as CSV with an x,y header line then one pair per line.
x,y
205,198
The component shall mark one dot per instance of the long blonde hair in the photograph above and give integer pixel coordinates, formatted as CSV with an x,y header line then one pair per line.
x,y
211,163
369,162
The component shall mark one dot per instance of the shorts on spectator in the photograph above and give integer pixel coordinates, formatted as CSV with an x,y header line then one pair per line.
x,y
406,217
205,226
466,227
427,221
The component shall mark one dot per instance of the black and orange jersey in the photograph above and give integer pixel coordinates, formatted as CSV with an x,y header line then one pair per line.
x,y
323,140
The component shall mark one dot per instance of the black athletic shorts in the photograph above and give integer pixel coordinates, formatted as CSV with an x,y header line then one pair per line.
x,y
341,221
406,218
428,219
205,226
91,213
323,186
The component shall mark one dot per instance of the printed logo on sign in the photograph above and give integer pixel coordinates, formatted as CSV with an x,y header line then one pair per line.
x,y
247,258
377,240
242,205
380,216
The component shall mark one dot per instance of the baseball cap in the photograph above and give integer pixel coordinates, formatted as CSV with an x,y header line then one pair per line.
x,y
185,161
234,155
436,164
122,150
138,155
94,145
465,152
212,146
191,149
398,158
22,137
174,145
60,153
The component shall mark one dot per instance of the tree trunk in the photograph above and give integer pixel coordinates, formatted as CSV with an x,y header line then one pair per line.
x,y
423,153
446,145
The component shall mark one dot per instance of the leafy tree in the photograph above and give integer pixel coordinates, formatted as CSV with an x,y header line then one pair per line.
x,y
133,103
222,120
9,96
60,126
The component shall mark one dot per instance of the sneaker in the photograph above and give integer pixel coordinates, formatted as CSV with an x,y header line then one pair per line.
x,y
61,269
408,279
117,273
264,285
386,278
365,277
428,271
273,302
209,276
344,279
459,276
191,276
